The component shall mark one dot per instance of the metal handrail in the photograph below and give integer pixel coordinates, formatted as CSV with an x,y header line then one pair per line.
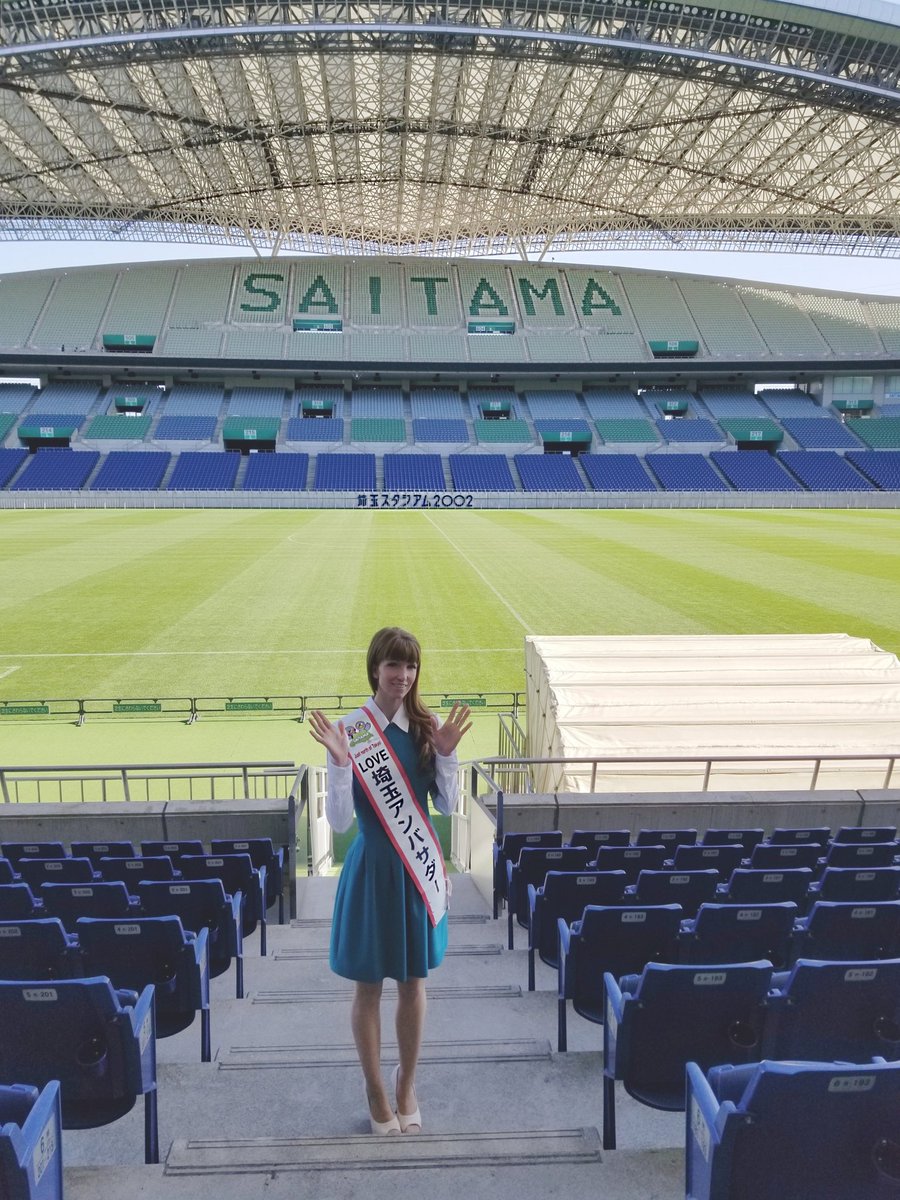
x,y
126,775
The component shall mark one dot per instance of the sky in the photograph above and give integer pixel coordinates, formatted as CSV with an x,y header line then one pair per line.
x,y
869,276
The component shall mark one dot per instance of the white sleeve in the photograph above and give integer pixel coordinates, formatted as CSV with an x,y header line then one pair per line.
x,y
446,775
339,795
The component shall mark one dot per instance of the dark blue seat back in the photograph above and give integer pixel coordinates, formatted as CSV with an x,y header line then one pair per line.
x,y
201,904
533,865
262,854
866,833
38,871
732,933
595,838
30,1143
787,857
18,902
631,859
564,896
850,931
173,849
808,1129
862,854
748,838
847,1012
37,949
97,850
670,838
807,836
133,869
511,847
237,874
723,859
69,901
749,886
849,883
16,851
689,889
8,873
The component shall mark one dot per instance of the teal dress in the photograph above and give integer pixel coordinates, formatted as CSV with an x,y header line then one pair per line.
x,y
381,928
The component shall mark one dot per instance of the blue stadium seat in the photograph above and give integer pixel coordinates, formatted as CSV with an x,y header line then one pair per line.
x,y
97,850
865,833
196,471
732,933
481,473
131,471
157,951
276,473
37,949
820,433
97,1042
262,854
670,838
595,838
132,870
776,1130
750,886
16,851
844,1011
413,473
563,896
508,852
689,889
202,904
8,873
345,473
689,430
631,859
69,901
176,850
175,428
620,939
434,429
824,471
238,875
314,429
616,473
723,859
748,838
11,458
18,903
857,884
862,854
849,931
30,1142
548,473
38,871
768,857
436,404
685,473
659,1021
53,469
803,836
882,467
754,471
531,867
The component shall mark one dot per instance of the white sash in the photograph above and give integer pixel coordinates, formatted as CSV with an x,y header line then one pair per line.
x,y
381,776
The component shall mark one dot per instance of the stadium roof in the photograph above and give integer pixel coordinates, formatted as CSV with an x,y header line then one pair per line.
x,y
459,128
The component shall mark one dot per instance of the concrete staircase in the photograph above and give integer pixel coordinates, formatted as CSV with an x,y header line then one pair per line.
x,y
279,1112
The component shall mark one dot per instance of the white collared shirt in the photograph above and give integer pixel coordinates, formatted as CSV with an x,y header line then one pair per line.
x,y
339,796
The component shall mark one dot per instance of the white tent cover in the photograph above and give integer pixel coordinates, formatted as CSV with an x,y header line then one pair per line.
x,y
764,696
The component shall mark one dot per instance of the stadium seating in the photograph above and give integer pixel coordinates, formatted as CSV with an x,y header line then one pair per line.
x,y
563,896
849,931
613,403
30,1142
256,402
276,473
315,429
758,430
345,473
531,868
66,397
377,403
627,431
748,838
631,859
548,473
766,886
38,871
176,850
881,433
198,472
659,1021
481,473
767,857
731,402
118,427
754,471
856,834
439,429
436,404
238,875
861,854
69,901
617,939
53,469
733,933
688,889
202,904
38,948
7,873
16,851
99,1044
511,432
131,870
554,406
690,430
616,473
508,851
882,467
779,1129
10,461
18,903
413,472
15,397
595,838
670,838
126,471
262,854
814,433
685,473
824,471
377,429
803,835
195,400
185,429
722,319
723,859
848,883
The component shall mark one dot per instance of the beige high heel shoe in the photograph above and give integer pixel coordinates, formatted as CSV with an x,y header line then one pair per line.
x,y
381,1128
409,1122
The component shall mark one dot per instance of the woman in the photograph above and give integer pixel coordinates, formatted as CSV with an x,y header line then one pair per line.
x,y
390,918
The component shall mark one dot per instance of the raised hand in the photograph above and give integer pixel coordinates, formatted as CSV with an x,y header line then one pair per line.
x,y
448,735
333,737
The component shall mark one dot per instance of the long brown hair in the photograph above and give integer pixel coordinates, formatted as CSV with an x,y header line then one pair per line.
x,y
394,644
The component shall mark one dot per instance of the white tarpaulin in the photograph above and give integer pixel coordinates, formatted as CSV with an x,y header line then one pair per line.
x,y
710,697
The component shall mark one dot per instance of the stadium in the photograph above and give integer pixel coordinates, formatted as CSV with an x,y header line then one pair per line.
x,y
655,550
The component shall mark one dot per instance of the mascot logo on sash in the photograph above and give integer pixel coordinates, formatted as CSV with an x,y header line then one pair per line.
x,y
359,733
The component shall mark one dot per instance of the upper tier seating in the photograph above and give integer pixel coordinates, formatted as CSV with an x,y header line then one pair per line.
x,y
185,429
754,471
198,472
413,473
553,405
481,473
786,329
613,402
824,471
377,402
722,319
195,400
815,434
731,402
14,397
315,429
345,473
790,402
685,473
548,473
886,410
624,430
427,429
52,469
436,403
10,461
880,433
616,473
494,432
118,427
696,429
256,402
842,323
276,473
377,429
881,466
75,399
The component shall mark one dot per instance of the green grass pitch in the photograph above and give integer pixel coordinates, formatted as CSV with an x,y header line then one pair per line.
x,y
260,602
